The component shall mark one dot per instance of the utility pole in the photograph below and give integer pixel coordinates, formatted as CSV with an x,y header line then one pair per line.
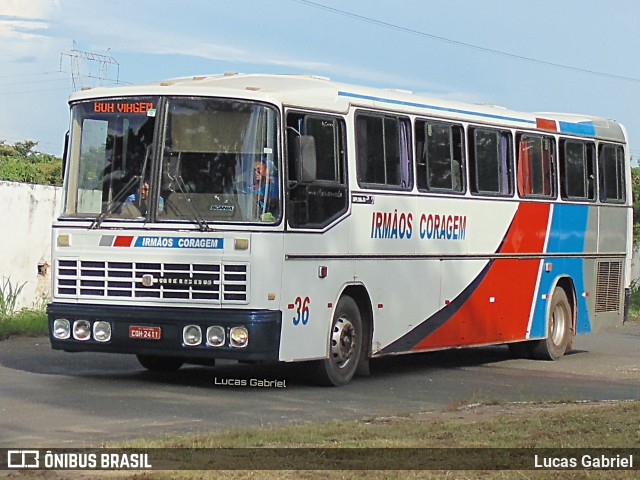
x,y
81,62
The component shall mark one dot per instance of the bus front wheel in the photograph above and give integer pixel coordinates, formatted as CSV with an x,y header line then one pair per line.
x,y
159,363
558,338
345,345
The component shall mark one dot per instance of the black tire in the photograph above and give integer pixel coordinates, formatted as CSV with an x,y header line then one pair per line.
x,y
520,349
160,364
558,338
345,345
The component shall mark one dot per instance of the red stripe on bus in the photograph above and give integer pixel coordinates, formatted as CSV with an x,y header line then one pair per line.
x,y
499,308
544,124
123,241
528,230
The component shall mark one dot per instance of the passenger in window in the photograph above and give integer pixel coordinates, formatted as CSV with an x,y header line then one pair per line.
x,y
265,190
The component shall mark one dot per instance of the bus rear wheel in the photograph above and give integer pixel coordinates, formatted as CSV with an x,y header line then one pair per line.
x,y
558,337
160,364
345,345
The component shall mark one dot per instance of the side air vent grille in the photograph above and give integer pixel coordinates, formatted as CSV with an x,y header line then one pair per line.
x,y
608,284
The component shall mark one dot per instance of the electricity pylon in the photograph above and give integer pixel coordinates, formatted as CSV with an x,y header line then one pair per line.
x,y
81,62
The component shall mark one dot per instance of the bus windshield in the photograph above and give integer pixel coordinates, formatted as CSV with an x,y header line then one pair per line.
x,y
217,161
109,154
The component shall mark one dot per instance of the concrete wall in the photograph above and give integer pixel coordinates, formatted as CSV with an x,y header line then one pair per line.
x,y
635,264
26,214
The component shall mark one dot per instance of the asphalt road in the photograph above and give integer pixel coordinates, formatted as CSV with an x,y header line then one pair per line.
x,y
55,399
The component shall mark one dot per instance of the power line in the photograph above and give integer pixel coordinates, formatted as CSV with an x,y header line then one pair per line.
x,y
28,74
464,44
34,81
36,91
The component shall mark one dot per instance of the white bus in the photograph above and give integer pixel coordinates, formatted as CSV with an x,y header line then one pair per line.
x,y
289,218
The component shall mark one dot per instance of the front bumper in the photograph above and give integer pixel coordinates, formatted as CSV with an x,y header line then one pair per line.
x,y
264,328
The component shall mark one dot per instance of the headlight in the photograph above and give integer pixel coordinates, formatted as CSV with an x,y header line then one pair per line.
x,y
215,336
82,330
239,337
192,335
102,331
61,328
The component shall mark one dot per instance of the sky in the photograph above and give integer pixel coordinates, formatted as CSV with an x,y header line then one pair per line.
x,y
572,56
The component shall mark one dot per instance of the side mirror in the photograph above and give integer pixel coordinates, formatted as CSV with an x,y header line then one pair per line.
x,y
64,153
307,162
302,158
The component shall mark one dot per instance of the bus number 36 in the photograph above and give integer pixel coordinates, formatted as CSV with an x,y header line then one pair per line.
x,y
302,311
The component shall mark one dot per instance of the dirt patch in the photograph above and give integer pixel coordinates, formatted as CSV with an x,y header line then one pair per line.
x,y
474,412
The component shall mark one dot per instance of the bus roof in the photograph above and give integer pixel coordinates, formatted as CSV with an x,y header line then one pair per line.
x,y
310,91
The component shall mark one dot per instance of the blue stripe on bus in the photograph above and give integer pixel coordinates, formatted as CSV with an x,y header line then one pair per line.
x,y
580,128
568,228
434,107
567,235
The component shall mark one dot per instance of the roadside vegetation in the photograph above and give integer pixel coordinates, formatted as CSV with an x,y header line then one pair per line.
x,y
21,162
488,425
567,425
32,322
472,424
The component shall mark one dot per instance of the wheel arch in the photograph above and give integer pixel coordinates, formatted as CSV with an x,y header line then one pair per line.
x,y
566,283
360,294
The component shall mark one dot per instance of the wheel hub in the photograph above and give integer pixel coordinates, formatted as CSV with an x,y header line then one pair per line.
x,y
342,342
558,324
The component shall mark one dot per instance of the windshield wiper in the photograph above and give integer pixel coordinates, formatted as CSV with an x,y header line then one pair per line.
x,y
197,216
117,198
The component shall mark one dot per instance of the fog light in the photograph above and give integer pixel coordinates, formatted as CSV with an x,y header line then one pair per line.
x,y
102,331
61,328
215,336
81,330
239,337
192,335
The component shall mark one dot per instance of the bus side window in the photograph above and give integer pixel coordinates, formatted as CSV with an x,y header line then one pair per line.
x,y
536,166
316,200
577,170
490,162
383,151
611,162
439,157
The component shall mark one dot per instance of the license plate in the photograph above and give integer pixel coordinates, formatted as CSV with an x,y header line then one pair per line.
x,y
145,333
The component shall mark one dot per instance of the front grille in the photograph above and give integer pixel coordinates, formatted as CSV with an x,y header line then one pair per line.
x,y
608,284
216,283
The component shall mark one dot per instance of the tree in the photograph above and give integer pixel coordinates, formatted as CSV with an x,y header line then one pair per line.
x,y
635,185
20,162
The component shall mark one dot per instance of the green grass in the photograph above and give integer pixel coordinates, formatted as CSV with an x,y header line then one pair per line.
x,y
591,426
549,425
26,322
634,301
498,425
31,323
